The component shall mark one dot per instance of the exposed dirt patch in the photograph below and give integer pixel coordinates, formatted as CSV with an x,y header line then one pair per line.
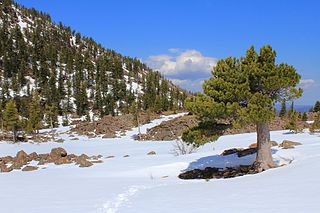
x,y
217,173
108,126
170,130
173,129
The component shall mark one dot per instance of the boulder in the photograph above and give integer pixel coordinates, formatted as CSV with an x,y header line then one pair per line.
x,y
82,162
33,156
274,143
230,151
60,140
16,165
286,144
84,156
7,159
108,135
57,153
254,145
29,168
152,153
4,168
64,160
22,157
245,152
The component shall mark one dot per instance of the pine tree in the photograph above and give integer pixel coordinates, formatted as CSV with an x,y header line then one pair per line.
x,y
35,115
244,91
316,124
292,123
304,116
316,107
51,112
283,109
11,118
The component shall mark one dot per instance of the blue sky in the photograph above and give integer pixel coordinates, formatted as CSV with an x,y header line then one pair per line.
x,y
184,38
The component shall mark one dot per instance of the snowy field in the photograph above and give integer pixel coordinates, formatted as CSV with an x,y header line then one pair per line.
x,y
143,183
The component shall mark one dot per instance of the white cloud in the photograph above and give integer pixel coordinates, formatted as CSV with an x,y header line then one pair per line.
x,y
306,83
191,85
187,64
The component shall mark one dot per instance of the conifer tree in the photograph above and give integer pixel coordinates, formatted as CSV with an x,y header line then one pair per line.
x,y
292,123
283,109
316,107
51,112
244,91
316,124
304,116
11,118
35,115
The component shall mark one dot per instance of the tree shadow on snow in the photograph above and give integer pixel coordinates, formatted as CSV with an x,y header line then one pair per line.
x,y
222,162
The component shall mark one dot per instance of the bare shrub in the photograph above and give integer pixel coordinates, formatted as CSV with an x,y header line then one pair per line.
x,y
182,148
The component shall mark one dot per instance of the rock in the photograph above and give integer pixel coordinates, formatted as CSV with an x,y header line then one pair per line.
x,y
97,161
108,135
33,156
152,153
230,151
286,144
64,160
57,153
245,152
84,156
29,168
22,157
16,165
126,156
254,145
7,159
111,156
274,143
60,140
82,162
71,157
4,168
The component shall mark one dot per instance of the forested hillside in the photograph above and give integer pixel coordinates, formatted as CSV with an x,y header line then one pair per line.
x,y
49,69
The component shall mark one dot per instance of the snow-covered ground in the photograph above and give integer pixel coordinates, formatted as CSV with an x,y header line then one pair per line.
x,y
143,183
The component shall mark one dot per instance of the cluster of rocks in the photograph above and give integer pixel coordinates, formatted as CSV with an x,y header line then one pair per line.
x,y
109,125
57,156
217,173
170,130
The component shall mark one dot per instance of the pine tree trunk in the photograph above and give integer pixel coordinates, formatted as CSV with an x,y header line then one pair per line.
x,y
264,159
14,131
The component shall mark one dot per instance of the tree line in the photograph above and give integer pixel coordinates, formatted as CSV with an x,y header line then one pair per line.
x,y
49,70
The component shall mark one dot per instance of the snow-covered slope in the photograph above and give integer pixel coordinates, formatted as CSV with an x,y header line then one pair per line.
x,y
144,183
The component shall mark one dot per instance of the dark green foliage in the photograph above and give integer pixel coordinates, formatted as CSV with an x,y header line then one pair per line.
x,y
35,115
304,116
283,109
244,91
292,123
316,107
11,119
316,124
